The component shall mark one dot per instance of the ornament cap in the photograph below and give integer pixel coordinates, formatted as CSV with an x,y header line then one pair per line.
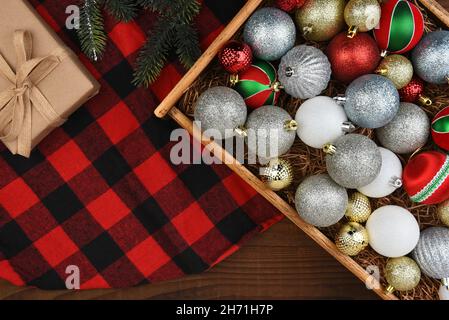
x,y
277,86
445,282
348,127
383,53
329,149
234,79
340,99
289,72
424,101
396,182
291,125
352,31
308,29
390,289
382,71
241,131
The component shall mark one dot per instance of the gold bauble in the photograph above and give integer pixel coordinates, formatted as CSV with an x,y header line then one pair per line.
x,y
397,68
443,212
321,20
359,208
352,239
277,175
402,274
362,15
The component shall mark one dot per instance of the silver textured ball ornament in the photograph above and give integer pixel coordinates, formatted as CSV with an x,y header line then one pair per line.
x,y
407,132
371,101
320,201
353,161
270,132
220,110
432,253
304,72
431,57
270,32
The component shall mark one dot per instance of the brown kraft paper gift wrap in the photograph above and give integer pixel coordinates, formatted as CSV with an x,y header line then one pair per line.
x,y
66,84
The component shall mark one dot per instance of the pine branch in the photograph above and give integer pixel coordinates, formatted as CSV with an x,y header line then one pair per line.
x,y
187,44
159,6
185,10
91,32
122,10
153,56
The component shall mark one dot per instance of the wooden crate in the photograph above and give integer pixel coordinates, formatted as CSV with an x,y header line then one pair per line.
x,y
167,107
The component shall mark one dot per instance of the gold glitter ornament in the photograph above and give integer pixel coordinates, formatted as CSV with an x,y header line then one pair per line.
x,y
359,208
402,274
277,175
443,212
397,68
352,239
362,16
321,20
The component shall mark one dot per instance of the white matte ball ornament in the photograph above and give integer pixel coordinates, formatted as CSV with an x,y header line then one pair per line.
x,y
321,120
393,231
389,178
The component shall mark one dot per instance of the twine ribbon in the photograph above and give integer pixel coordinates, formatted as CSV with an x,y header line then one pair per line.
x,y
17,101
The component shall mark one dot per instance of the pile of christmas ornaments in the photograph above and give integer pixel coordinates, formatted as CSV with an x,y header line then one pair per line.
x,y
383,55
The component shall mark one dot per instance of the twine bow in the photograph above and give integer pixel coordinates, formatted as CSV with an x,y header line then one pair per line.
x,y
17,101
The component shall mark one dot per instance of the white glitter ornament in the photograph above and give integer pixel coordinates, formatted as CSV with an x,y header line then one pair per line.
x,y
320,201
407,132
304,72
432,253
321,120
431,57
270,32
270,132
353,161
393,231
388,180
220,110
371,101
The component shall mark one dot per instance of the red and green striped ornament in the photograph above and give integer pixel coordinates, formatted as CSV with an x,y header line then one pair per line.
x,y
440,129
401,26
258,85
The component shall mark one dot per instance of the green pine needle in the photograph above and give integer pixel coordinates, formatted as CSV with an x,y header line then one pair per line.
x,y
122,10
153,56
91,33
187,43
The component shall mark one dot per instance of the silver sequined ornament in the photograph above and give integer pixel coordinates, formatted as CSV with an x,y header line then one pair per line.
x,y
270,32
304,72
431,57
353,161
222,110
270,132
320,201
371,101
432,253
407,132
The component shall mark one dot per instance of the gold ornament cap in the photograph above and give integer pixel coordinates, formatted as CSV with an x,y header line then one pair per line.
x,y
359,208
277,175
352,239
402,274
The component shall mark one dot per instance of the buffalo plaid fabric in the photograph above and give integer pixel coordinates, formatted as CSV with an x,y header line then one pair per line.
x,y
100,193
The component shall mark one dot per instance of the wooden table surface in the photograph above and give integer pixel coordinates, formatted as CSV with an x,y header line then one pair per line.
x,y
282,263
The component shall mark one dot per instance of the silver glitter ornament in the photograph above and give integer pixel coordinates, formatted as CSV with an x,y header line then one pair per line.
x,y
320,201
371,101
353,161
304,72
407,132
270,32
270,132
431,57
432,253
220,110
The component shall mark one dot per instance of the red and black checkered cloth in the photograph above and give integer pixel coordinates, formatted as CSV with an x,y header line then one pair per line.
x,y
101,193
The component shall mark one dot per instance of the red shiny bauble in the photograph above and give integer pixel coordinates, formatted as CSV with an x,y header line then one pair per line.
x,y
352,57
235,56
289,5
412,91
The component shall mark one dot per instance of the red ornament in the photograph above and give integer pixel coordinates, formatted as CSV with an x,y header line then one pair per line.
x,y
440,129
413,92
235,56
353,57
289,5
426,178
